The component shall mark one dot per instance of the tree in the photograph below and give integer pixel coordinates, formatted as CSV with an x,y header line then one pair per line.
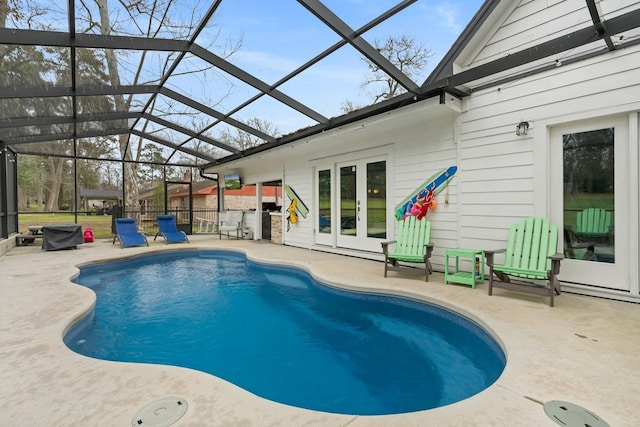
x,y
151,18
30,182
406,54
28,66
243,140
45,66
348,106
152,170
37,66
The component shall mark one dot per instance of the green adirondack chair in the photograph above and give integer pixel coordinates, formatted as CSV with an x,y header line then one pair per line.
x,y
593,223
531,255
411,246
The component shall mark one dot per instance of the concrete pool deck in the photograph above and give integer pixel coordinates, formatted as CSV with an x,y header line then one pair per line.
x,y
584,351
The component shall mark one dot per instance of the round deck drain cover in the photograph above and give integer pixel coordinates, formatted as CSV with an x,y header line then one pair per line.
x,y
161,413
572,415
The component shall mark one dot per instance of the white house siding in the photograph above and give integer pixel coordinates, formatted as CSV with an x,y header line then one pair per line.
x,y
249,221
506,176
298,175
419,140
419,152
530,23
526,24
613,8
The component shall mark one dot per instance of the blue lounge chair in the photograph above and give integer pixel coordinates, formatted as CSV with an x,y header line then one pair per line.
x,y
127,233
167,228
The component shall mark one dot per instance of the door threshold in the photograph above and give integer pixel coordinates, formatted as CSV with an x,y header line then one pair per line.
x,y
374,256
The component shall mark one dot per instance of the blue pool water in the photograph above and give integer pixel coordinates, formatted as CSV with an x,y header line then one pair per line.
x,y
280,334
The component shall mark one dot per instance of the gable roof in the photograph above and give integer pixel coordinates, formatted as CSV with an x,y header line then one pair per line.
x,y
593,35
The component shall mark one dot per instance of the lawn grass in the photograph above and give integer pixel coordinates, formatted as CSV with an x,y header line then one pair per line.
x,y
574,203
100,224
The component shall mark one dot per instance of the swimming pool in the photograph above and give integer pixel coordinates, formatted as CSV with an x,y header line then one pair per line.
x,y
281,335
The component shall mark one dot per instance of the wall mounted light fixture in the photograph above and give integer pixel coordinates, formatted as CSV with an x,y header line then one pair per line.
x,y
521,128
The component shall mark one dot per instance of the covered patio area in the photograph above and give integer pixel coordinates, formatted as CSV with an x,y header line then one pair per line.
x,y
584,351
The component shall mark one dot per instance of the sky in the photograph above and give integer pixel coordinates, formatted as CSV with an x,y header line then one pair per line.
x,y
268,39
279,36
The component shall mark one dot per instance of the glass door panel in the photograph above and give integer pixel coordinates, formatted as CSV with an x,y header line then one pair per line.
x,y
324,202
324,216
589,199
349,204
377,200
588,190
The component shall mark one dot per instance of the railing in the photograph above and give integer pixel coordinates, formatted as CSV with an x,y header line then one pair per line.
x,y
201,221
103,223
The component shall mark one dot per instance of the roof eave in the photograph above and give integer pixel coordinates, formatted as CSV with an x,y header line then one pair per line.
x,y
336,122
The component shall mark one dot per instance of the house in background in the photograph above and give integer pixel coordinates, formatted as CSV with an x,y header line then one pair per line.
x,y
99,201
204,197
537,104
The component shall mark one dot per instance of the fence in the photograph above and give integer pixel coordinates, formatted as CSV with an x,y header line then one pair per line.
x,y
196,221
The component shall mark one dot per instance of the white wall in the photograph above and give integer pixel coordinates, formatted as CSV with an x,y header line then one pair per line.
x,y
519,26
506,176
419,139
420,152
298,176
528,23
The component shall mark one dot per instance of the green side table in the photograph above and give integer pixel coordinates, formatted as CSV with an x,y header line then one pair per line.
x,y
465,277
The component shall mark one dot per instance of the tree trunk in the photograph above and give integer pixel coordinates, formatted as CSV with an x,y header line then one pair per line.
x,y
130,179
40,191
23,202
55,183
4,9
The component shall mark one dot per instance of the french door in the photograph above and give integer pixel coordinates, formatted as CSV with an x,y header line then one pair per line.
x,y
352,204
362,204
590,192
